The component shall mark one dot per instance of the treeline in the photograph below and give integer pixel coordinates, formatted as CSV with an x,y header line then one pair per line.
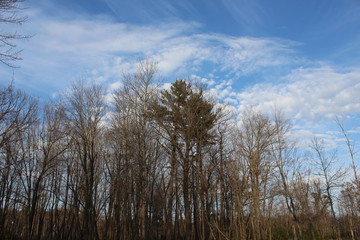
x,y
164,164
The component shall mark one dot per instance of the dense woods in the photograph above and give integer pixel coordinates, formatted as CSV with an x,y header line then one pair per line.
x,y
172,163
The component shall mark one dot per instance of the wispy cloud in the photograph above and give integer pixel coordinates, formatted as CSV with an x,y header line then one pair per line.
x,y
101,48
246,13
145,11
64,49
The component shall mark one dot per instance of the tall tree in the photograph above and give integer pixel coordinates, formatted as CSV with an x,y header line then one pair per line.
x,y
85,111
187,118
18,114
288,167
332,177
256,136
134,137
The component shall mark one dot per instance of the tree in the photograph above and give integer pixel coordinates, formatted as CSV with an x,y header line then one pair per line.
x,y
135,144
187,118
163,164
256,136
18,114
9,15
352,193
352,153
85,111
47,144
332,177
288,169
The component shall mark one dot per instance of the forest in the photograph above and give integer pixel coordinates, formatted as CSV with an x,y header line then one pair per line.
x,y
154,163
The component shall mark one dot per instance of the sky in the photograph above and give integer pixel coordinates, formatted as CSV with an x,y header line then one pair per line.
x,y
302,57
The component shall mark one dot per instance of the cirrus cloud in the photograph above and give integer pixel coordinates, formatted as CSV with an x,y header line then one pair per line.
x,y
101,48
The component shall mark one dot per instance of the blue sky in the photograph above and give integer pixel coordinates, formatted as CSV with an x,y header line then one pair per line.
x,y
302,57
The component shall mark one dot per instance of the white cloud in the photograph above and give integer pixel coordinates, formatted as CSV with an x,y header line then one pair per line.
x,y
208,82
64,49
115,85
246,55
303,136
174,57
356,130
166,86
310,97
246,13
309,94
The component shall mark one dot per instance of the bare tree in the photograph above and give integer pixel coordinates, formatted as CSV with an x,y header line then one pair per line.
x,y
331,176
256,136
352,153
18,113
349,203
163,164
9,15
85,111
288,169
137,150
48,145
351,194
